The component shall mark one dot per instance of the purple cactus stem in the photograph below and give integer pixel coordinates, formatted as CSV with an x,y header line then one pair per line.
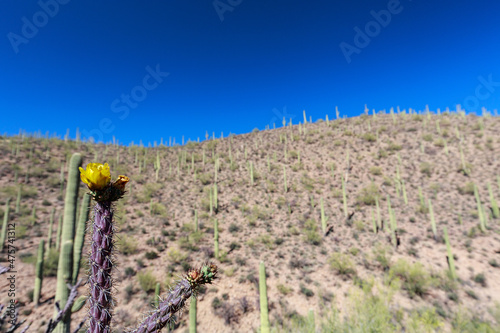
x,y
176,299
101,265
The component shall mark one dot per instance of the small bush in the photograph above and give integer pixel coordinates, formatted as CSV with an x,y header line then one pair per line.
x,y
284,290
151,255
426,168
127,245
368,195
468,188
376,171
415,277
158,209
311,232
480,279
370,137
342,264
147,281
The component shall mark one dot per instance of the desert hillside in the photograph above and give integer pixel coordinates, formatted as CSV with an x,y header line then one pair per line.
x,y
349,216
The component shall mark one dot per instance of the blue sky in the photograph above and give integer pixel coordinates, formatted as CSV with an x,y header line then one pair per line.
x,y
158,69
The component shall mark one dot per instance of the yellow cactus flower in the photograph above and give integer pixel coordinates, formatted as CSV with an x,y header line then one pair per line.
x,y
96,176
121,182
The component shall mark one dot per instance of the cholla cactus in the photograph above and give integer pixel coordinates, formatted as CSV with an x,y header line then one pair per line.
x,y
176,299
98,179
104,192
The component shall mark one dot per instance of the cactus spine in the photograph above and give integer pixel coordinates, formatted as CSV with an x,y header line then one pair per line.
x,y
264,315
80,235
65,267
39,273
3,235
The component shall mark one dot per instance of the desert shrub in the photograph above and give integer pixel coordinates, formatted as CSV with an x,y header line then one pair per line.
x,y
306,291
480,279
426,168
158,208
468,188
416,279
176,256
127,245
284,290
147,281
376,171
342,264
312,235
205,178
424,320
151,255
370,137
427,137
147,192
368,195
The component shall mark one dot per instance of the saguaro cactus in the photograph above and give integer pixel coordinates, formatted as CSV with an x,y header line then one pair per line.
x,y
192,315
216,239
18,199
39,273
3,235
323,217
433,220
344,196
51,224
157,294
65,267
451,260
264,315
80,235
495,212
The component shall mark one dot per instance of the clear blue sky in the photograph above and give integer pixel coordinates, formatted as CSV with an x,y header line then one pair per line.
x,y
234,65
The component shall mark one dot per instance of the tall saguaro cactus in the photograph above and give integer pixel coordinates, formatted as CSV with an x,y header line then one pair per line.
x,y
3,235
264,315
80,235
39,273
216,239
65,267
192,315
